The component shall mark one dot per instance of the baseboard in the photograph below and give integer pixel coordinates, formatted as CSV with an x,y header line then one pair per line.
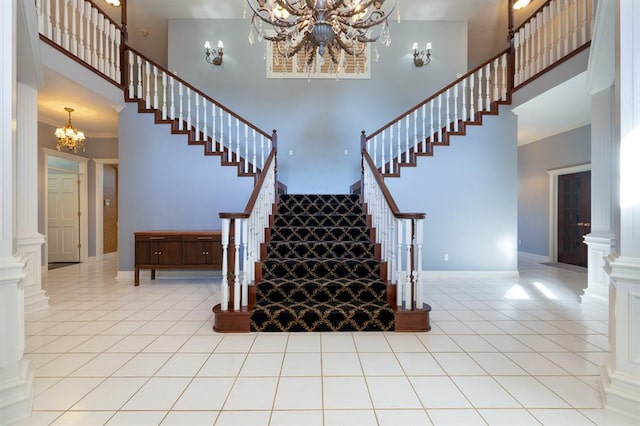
x,y
464,274
169,274
532,257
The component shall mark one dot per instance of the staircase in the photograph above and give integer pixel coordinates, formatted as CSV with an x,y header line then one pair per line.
x,y
321,272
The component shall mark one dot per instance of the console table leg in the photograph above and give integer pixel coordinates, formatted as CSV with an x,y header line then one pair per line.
x,y
153,274
136,278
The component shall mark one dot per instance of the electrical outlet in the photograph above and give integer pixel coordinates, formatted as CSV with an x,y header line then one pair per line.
x,y
446,257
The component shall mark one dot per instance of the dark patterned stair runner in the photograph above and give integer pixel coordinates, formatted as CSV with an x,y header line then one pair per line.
x,y
320,272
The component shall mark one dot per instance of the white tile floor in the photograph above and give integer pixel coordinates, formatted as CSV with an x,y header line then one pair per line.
x,y
501,352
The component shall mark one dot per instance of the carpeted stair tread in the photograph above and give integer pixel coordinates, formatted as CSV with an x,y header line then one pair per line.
x,y
318,233
326,249
321,290
320,268
353,316
316,220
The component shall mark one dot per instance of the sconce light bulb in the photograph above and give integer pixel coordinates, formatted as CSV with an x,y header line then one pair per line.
x,y
429,46
415,46
220,44
207,45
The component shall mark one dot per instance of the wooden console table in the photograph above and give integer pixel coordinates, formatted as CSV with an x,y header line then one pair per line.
x,y
177,250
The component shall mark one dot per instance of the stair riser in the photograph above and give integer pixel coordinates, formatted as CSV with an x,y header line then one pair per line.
x,y
316,250
319,234
319,269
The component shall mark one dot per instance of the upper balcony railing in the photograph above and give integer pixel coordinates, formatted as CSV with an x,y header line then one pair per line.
x,y
80,28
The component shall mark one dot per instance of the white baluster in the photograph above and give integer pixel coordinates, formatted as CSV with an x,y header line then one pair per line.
x,y
391,147
406,134
238,139
455,109
246,147
399,159
205,135
539,41
575,24
472,111
418,271
552,31
408,241
382,150
58,29
237,282
101,44
415,132
504,77
187,126
88,13
40,11
48,19
156,81
545,41
214,146
229,143
517,78
448,118
113,53
172,108
224,289
246,264
559,36
180,110
424,128
440,138
74,36
139,77
94,39
432,134
253,161
464,100
487,92
583,26
567,25
81,36
131,93
197,132
117,72
375,150
526,54
480,97
262,143
164,95
147,90
400,288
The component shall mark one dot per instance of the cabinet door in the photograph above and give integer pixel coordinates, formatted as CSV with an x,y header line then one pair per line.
x,y
198,252
168,252
145,252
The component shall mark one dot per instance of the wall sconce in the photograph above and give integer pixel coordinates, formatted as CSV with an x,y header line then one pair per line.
x,y
212,56
421,58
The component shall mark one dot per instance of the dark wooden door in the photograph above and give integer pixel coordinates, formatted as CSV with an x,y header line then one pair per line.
x,y
574,217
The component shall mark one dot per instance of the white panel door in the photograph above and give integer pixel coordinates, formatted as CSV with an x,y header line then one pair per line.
x,y
63,224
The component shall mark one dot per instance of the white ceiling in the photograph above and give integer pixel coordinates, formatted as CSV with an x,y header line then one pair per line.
x,y
487,23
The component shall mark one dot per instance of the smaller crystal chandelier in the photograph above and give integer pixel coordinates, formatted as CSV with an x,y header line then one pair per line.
x,y
68,136
311,27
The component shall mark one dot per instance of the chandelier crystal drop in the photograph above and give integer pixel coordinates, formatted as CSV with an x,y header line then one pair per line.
x,y
68,136
315,27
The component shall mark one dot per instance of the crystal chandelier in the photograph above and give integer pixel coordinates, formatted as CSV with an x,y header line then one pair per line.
x,y
313,27
68,136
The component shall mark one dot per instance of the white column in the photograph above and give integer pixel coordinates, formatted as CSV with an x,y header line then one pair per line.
x,y
601,241
621,374
28,241
16,380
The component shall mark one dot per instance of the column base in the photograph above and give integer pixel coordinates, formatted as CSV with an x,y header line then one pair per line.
x,y
596,295
16,396
620,392
29,249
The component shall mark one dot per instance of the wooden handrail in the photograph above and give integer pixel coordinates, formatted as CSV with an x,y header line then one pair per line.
x,y
387,195
191,87
435,95
256,190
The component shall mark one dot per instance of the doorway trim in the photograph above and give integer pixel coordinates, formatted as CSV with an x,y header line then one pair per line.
x,y
83,195
99,191
553,204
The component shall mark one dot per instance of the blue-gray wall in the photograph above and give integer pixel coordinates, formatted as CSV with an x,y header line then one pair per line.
x,y
319,119
166,184
534,160
468,191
